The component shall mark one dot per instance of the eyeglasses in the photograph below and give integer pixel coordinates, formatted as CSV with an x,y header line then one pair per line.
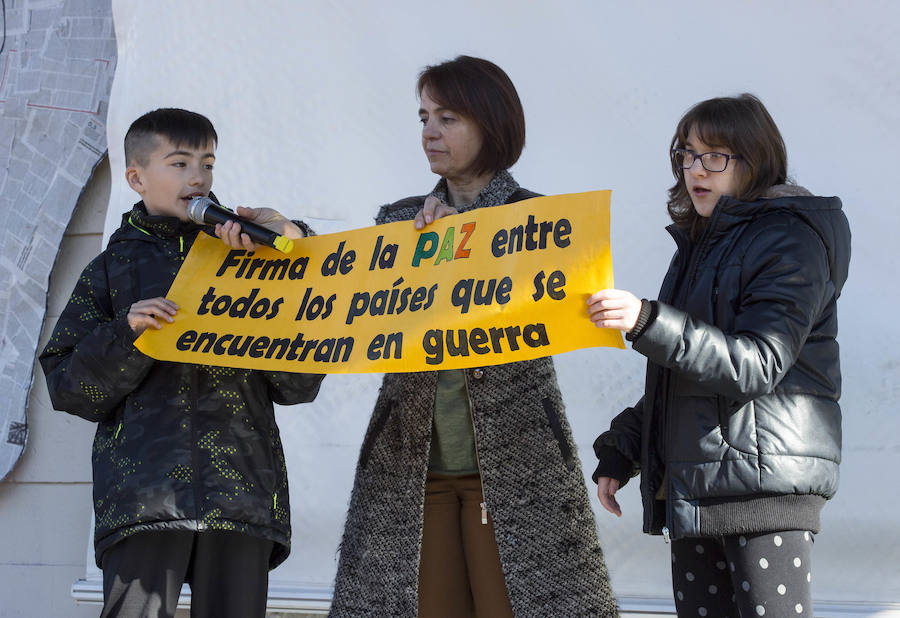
x,y
711,161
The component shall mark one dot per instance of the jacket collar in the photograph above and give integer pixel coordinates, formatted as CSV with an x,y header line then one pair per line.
x,y
156,225
497,191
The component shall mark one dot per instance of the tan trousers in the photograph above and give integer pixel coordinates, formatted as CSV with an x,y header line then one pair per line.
x,y
459,573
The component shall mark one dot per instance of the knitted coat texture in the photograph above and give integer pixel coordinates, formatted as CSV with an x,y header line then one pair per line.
x,y
533,484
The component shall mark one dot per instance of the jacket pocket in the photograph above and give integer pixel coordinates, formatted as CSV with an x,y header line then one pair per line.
x,y
556,426
737,423
381,415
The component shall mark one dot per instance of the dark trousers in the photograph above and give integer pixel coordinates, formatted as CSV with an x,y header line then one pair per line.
x,y
460,575
228,573
744,576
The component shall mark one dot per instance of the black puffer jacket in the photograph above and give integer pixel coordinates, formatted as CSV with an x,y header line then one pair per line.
x,y
178,446
740,424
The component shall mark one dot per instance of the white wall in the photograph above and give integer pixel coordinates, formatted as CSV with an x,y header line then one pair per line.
x,y
315,108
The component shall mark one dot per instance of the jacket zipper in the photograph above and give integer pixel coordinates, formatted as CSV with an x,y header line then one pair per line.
x,y
484,511
192,418
678,299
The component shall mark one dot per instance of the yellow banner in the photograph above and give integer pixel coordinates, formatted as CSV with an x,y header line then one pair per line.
x,y
493,285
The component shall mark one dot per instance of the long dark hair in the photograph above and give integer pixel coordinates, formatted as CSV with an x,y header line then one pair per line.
x,y
742,125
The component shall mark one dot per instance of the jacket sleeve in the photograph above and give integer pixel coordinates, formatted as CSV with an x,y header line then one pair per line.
x,y
90,361
785,283
290,388
618,450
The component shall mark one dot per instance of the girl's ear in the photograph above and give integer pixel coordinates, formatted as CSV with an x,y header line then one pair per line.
x,y
133,177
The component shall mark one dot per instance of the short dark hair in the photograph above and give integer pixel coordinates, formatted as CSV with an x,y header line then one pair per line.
x,y
743,125
181,127
481,91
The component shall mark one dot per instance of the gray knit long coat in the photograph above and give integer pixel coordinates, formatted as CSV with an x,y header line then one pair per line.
x,y
531,473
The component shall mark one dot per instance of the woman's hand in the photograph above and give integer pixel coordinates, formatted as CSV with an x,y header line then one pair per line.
x,y
230,231
613,308
145,314
606,491
433,210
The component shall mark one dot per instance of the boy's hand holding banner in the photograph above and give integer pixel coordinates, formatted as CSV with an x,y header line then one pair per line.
x,y
492,285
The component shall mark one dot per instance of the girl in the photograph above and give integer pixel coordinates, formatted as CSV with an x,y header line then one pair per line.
x,y
737,437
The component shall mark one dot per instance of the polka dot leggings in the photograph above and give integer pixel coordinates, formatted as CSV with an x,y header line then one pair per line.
x,y
743,576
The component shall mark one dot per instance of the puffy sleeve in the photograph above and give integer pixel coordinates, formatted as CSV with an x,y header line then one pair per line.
x,y
90,361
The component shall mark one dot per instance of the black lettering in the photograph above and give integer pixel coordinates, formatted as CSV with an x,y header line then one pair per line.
x,y
561,233
275,306
242,305
275,269
206,340
259,347
498,243
277,348
309,347
294,272
219,348
503,290
538,286
432,343
221,305
546,228
555,284
373,352
254,266
230,261
378,304
457,350
185,340
477,339
358,305
496,338
461,295
417,298
345,345
323,351
375,253
535,335
530,229
243,267
236,349
296,343
204,302
512,333
259,308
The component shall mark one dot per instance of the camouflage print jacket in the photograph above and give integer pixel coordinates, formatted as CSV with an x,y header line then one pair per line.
x,y
178,446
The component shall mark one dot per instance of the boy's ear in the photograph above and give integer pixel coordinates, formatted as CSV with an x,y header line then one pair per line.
x,y
133,177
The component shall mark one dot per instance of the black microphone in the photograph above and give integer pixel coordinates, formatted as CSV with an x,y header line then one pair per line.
x,y
203,210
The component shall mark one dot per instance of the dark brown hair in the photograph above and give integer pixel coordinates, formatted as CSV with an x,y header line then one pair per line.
x,y
742,125
483,92
179,126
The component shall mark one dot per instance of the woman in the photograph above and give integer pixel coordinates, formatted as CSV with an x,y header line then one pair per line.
x,y
466,501
738,435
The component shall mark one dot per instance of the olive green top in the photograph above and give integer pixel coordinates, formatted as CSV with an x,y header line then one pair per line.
x,y
452,436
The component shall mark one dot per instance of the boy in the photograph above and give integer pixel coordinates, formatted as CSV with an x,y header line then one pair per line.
x,y
189,475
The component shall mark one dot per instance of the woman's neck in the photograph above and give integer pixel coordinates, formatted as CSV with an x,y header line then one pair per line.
x,y
463,191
